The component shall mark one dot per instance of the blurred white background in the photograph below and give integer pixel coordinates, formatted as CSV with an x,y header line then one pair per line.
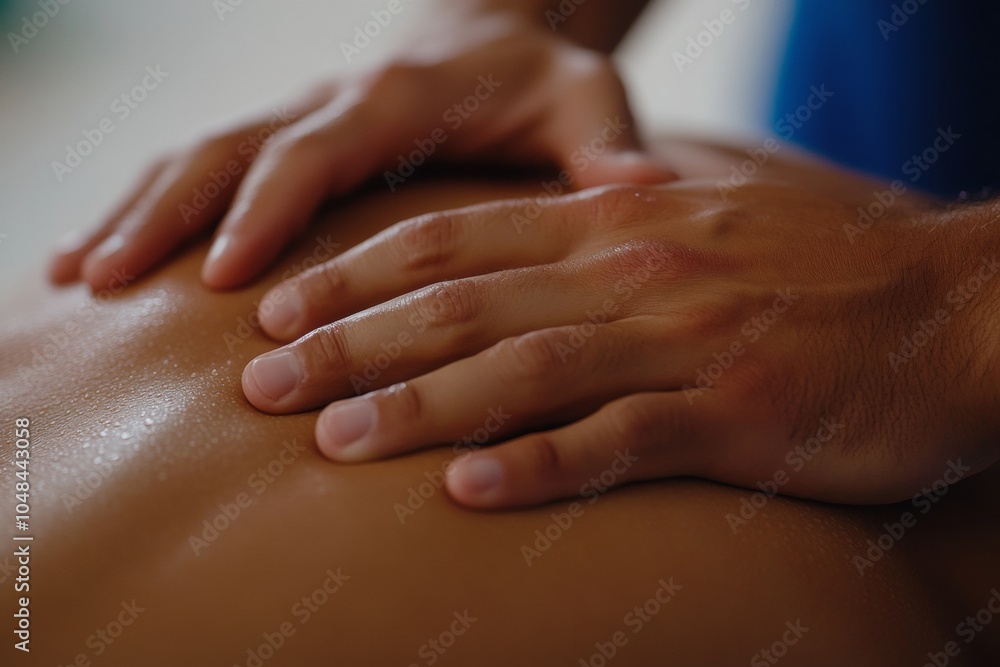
x,y
64,80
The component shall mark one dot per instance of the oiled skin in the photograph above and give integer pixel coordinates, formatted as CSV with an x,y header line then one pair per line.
x,y
154,364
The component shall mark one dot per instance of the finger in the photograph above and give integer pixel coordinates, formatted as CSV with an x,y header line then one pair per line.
x,y
158,223
643,436
186,195
414,334
415,253
328,153
71,251
540,378
602,145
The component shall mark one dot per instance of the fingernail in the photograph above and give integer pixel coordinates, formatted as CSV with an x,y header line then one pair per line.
x,y
219,248
276,374
629,156
347,423
108,247
476,476
70,242
634,158
285,310
94,268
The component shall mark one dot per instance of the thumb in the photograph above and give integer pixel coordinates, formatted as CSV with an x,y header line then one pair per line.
x,y
632,165
591,132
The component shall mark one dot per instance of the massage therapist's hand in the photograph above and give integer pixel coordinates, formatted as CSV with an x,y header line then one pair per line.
x,y
632,332
484,88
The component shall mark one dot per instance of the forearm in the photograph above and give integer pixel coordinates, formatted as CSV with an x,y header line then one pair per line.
x,y
595,24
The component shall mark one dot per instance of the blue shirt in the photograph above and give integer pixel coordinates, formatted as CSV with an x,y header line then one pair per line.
x,y
902,74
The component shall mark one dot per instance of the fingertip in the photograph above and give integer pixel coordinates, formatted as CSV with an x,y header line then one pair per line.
x,y
269,378
96,268
325,437
280,313
252,391
67,257
477,480
347,431
234,260
216,272
627,167
63,269
72,243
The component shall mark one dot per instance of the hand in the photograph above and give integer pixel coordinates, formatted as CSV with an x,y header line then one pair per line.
x,y
753,340
489,89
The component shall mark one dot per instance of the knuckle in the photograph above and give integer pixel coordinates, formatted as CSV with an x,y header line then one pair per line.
x,y
318,286
328,349
225,143
397,78
617,206
724,222
637,422
406,401
544,456
531,358
632,264
449,303
332,277
428,240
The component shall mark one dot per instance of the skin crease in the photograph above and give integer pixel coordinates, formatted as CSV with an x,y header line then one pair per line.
x,y
540,93
504,312
153,364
